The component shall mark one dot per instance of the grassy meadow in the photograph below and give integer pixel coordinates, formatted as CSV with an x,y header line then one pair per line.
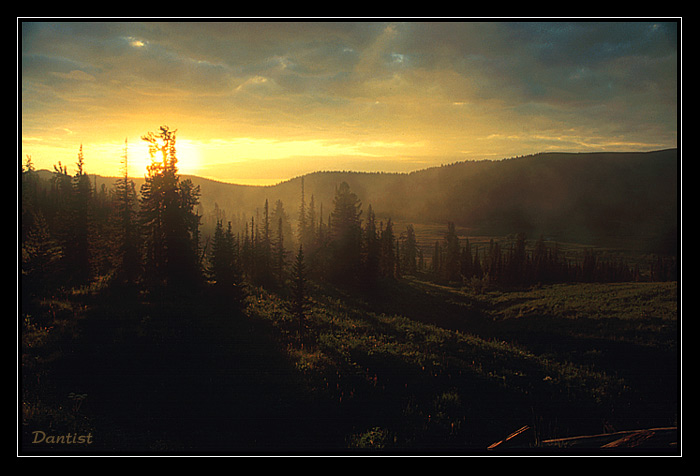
x,y
415,367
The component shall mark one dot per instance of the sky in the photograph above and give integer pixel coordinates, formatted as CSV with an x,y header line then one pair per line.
x,y
262,101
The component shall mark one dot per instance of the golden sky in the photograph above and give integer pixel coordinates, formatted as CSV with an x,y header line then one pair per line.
x,y
259,102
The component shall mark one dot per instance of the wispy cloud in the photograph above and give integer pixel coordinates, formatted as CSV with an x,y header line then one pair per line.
x,y
446,85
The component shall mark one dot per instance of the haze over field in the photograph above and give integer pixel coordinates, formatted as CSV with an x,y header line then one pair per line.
x,y
261,102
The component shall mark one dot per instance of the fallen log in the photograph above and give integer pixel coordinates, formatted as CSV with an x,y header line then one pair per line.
x,y
645,439
653,438
509,439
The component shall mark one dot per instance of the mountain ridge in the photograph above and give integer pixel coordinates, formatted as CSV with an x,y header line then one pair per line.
x,y
624,199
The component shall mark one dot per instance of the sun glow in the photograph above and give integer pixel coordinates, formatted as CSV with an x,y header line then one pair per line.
x,y
189,159
266,161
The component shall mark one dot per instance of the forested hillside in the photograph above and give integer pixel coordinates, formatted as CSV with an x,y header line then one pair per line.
x,y
626,200
623,200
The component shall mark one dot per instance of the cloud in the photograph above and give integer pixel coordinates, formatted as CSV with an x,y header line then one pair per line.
x,y
444,84
76,74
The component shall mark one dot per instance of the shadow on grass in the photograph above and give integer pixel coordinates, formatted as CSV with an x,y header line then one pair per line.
x,y
181,377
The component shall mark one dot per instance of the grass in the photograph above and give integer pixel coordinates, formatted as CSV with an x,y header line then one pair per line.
x,y
506,357
417,367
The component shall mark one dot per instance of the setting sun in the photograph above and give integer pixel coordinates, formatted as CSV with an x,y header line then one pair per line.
x,y
262,102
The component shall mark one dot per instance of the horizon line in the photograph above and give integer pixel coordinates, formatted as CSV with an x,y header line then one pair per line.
x,y
338,171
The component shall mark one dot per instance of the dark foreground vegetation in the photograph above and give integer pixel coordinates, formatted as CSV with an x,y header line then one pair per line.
x,y
430,369
141,334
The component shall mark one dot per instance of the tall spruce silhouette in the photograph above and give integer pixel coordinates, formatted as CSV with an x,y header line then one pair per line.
x,y
170,224
125,198
409,255
224,266
370,249
299,303
346,236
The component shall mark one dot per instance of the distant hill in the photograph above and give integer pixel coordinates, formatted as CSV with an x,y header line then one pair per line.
x,y
626,200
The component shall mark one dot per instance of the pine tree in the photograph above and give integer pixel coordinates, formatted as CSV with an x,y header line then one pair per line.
x,y
540,262
77,244
279,213
264,264
371,249
311,232
476,265
58,216
398,268
247,253
39,260
254,252
452,262
346,235
319,262
493,263
280,254
169,220
30,196
224,266
589,266
220,257
387,257
519,262
467,262
299,304
128,263
436,264
410,252
302,225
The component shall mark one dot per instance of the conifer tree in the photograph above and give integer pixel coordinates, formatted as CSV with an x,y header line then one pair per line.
x,y
387,258
311,232
76,243
410,252
452,262
540,264
319,263
346,235
220,257
589,266
302,223
40,255
247,253
398,268
279,213
371,249
299,304
254,252
169,220
128,261
58,216
467,262
436,264
264,264
493,262
518,265
224,266
30,196
280,254
476,265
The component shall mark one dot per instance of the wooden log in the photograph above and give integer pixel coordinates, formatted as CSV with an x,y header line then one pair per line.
x,y
509,439
661,438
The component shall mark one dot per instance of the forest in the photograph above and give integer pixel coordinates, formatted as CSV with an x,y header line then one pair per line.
x,y
156,326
